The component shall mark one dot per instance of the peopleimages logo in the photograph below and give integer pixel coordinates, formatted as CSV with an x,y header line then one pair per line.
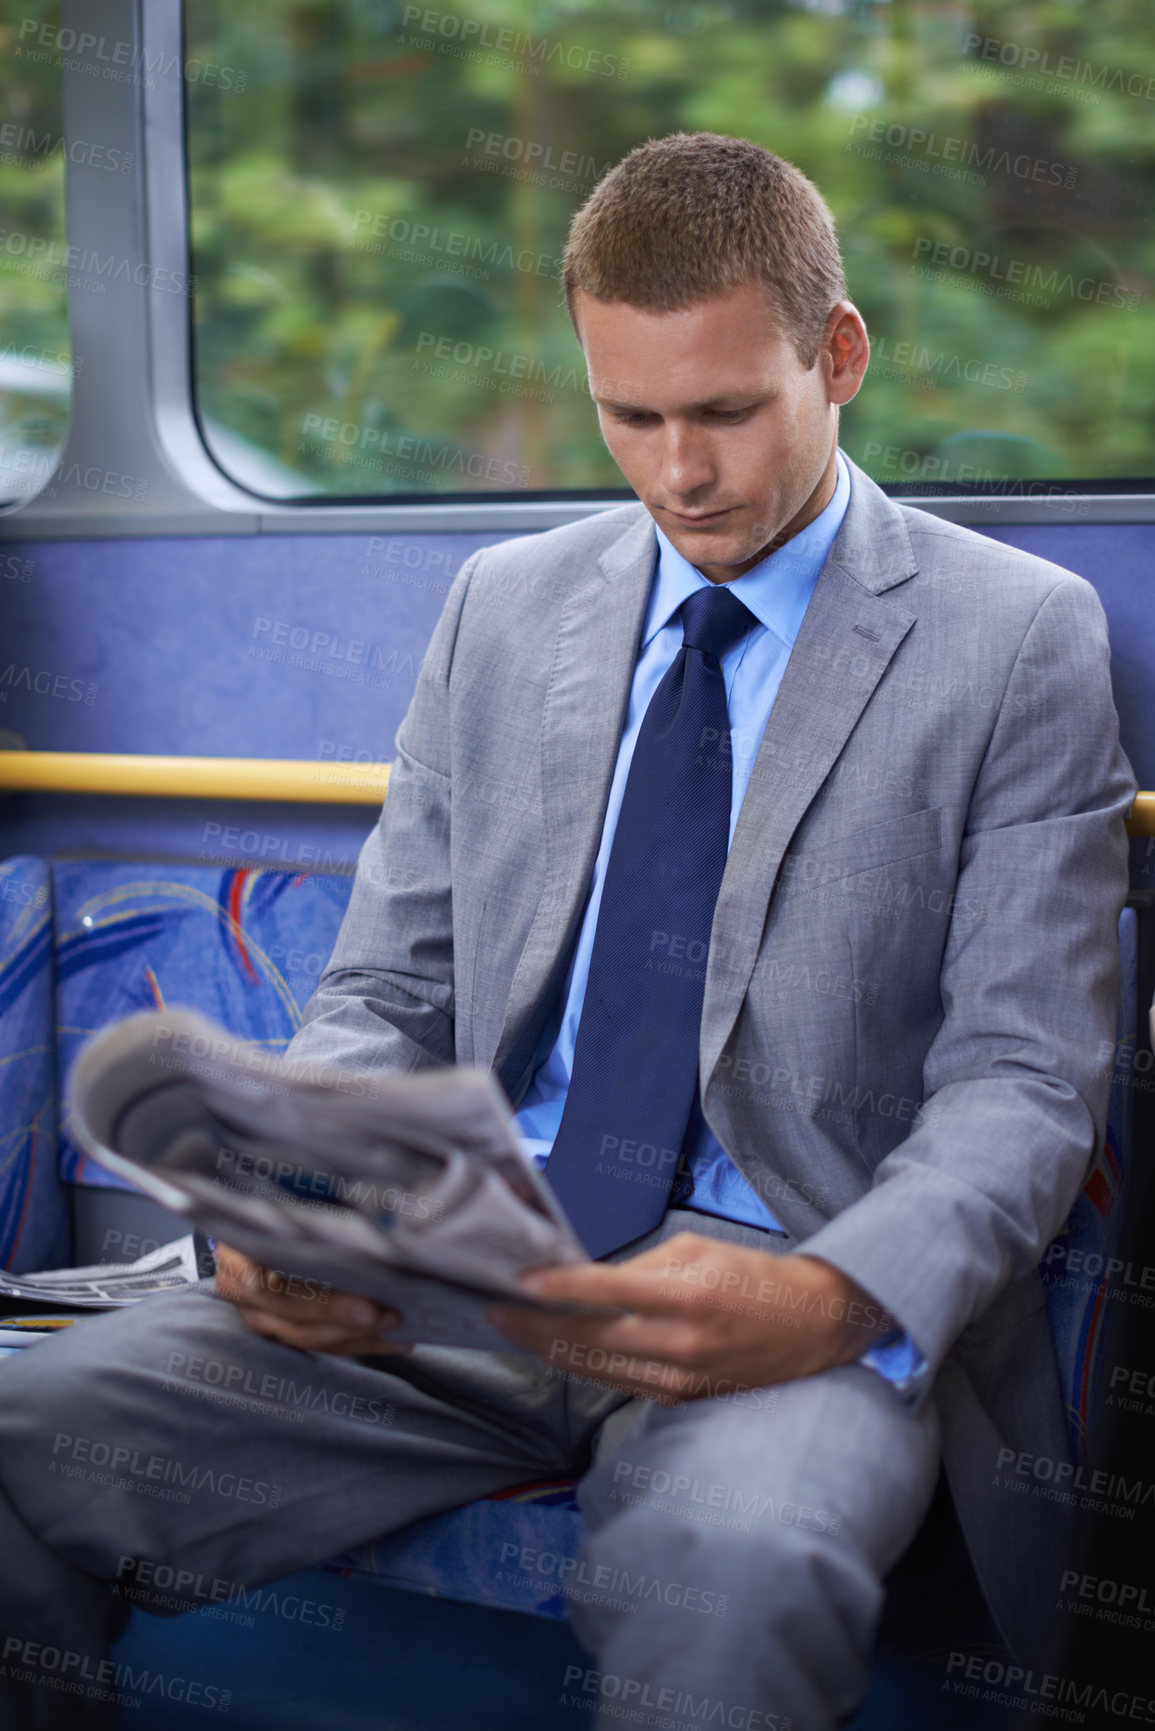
x,y
943,149
109,1680
532,153
1011,1685
920,363
120,62
1041,63
1034,279
164,1470
508,363
470,34
418,242
23,144
51,255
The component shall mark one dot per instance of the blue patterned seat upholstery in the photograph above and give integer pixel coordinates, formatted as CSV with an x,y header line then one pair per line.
x,y
244,946
33,1209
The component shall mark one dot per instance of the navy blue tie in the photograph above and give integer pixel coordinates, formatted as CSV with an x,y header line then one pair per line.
x,y
635,1071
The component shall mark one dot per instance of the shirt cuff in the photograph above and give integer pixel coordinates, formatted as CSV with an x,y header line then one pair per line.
x,y
900,1362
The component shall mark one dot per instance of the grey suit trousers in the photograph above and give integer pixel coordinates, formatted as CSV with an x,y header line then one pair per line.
x,y
736,1549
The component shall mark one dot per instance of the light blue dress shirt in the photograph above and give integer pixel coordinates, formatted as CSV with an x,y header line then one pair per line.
x,y
777,591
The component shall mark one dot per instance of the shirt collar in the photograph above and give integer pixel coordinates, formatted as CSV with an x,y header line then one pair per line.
x,y
777,591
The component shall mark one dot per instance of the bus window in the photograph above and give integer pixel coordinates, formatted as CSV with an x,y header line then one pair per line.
x,y
380,192
35,359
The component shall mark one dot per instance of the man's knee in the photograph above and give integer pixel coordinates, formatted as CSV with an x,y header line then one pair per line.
x,y
769,1562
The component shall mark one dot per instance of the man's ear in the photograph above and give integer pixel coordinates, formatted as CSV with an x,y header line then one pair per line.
x,y
845,351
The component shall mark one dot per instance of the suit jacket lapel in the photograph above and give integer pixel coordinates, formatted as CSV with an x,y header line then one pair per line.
x,y
848,636
585,711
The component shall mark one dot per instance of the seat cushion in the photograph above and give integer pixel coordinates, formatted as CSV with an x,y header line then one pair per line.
x,y
516,1551
244,946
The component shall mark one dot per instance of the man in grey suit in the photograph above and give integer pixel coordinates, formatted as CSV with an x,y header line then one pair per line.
x,y
897,1086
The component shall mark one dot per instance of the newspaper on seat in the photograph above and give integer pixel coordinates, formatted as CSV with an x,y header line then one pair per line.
x,y
105,1285
412,1190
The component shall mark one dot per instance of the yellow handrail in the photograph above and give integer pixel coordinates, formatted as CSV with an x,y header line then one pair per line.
x,y
194,777
1142,818
327,783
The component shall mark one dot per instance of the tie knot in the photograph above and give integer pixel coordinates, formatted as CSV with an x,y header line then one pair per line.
x,y
713,620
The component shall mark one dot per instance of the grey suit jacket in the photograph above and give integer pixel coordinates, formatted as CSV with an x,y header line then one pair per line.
x,y
912,972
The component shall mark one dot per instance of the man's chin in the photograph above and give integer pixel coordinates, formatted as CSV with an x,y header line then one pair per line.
x,y
721,551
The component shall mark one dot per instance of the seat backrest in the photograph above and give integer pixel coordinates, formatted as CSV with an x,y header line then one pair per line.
x,y
242,945
33,1209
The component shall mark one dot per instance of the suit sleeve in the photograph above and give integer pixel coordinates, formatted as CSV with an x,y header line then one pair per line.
x,y
386,998
1017,1079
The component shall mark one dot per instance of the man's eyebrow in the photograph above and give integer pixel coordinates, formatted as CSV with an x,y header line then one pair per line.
x,y
727,399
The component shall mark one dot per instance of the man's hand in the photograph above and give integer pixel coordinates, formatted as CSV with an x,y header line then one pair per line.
x,y
304,1313
705,1318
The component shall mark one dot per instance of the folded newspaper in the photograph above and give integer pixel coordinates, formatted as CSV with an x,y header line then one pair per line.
x,y
105,1285
412,1190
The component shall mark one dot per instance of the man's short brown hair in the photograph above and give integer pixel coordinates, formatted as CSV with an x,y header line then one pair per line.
x,y
698,214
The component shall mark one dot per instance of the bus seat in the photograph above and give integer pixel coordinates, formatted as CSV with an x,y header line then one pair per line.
x,y
245,946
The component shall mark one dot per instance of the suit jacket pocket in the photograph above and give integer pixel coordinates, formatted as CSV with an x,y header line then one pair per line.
x,y
880,844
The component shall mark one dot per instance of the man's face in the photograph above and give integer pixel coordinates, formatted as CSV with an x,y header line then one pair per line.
x,y
725,437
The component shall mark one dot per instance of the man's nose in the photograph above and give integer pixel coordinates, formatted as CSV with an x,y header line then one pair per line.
x,y
687,463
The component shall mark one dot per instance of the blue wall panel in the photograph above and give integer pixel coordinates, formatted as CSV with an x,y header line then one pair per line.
x,y
254,646
308,646
276,646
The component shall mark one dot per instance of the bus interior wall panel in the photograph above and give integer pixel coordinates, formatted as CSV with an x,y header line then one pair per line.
x,y
308,647
241,646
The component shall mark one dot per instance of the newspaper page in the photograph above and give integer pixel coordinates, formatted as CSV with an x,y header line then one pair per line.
x,y
105,1285
412,1190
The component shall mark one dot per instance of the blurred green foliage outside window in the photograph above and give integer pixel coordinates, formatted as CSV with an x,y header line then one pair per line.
x,y
380,192
35,360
